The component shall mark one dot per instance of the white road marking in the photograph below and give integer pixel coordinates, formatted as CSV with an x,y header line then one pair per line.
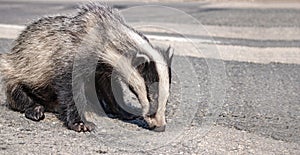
x,y
10,31
181,39
267,55
8,26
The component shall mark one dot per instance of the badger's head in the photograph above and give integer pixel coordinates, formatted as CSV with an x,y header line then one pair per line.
x,y
147,71
155,67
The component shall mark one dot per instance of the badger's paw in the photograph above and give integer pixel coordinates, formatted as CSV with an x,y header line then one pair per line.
x,y
156,123
82,126
35,113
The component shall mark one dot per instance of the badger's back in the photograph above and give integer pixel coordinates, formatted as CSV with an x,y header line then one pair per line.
x,y
44,46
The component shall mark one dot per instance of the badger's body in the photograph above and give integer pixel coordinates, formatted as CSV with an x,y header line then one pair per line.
x,y
38,70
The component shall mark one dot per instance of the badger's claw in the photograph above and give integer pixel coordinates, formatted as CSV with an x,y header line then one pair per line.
x,y
35,113
82,127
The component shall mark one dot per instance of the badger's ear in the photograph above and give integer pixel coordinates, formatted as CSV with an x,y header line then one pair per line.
x,y
140,59
170,54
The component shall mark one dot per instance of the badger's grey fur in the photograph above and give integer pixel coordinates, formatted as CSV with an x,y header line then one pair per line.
x,y
38,70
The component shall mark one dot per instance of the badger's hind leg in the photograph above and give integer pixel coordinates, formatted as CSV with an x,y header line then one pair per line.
x,y
20,98
35,113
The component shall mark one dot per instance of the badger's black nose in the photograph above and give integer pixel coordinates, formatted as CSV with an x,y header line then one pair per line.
x,y
160,128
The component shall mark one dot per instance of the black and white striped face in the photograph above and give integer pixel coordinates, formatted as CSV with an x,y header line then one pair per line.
x,y
156,73
154,65
148,70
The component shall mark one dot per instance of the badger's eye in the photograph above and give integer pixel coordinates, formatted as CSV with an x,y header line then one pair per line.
x,y
153,90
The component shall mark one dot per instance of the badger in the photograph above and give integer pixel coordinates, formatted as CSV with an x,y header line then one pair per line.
x,y
37,72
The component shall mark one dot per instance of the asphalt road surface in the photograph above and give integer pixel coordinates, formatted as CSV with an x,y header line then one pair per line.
x,y
244,100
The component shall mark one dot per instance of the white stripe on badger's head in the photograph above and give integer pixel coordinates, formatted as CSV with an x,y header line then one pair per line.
x,y
123,68
161,67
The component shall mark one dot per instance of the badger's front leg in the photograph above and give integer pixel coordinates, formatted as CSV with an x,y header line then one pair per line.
x,y
68,110
70,115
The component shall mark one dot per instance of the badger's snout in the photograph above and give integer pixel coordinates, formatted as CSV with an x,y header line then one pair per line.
x,y
159,128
